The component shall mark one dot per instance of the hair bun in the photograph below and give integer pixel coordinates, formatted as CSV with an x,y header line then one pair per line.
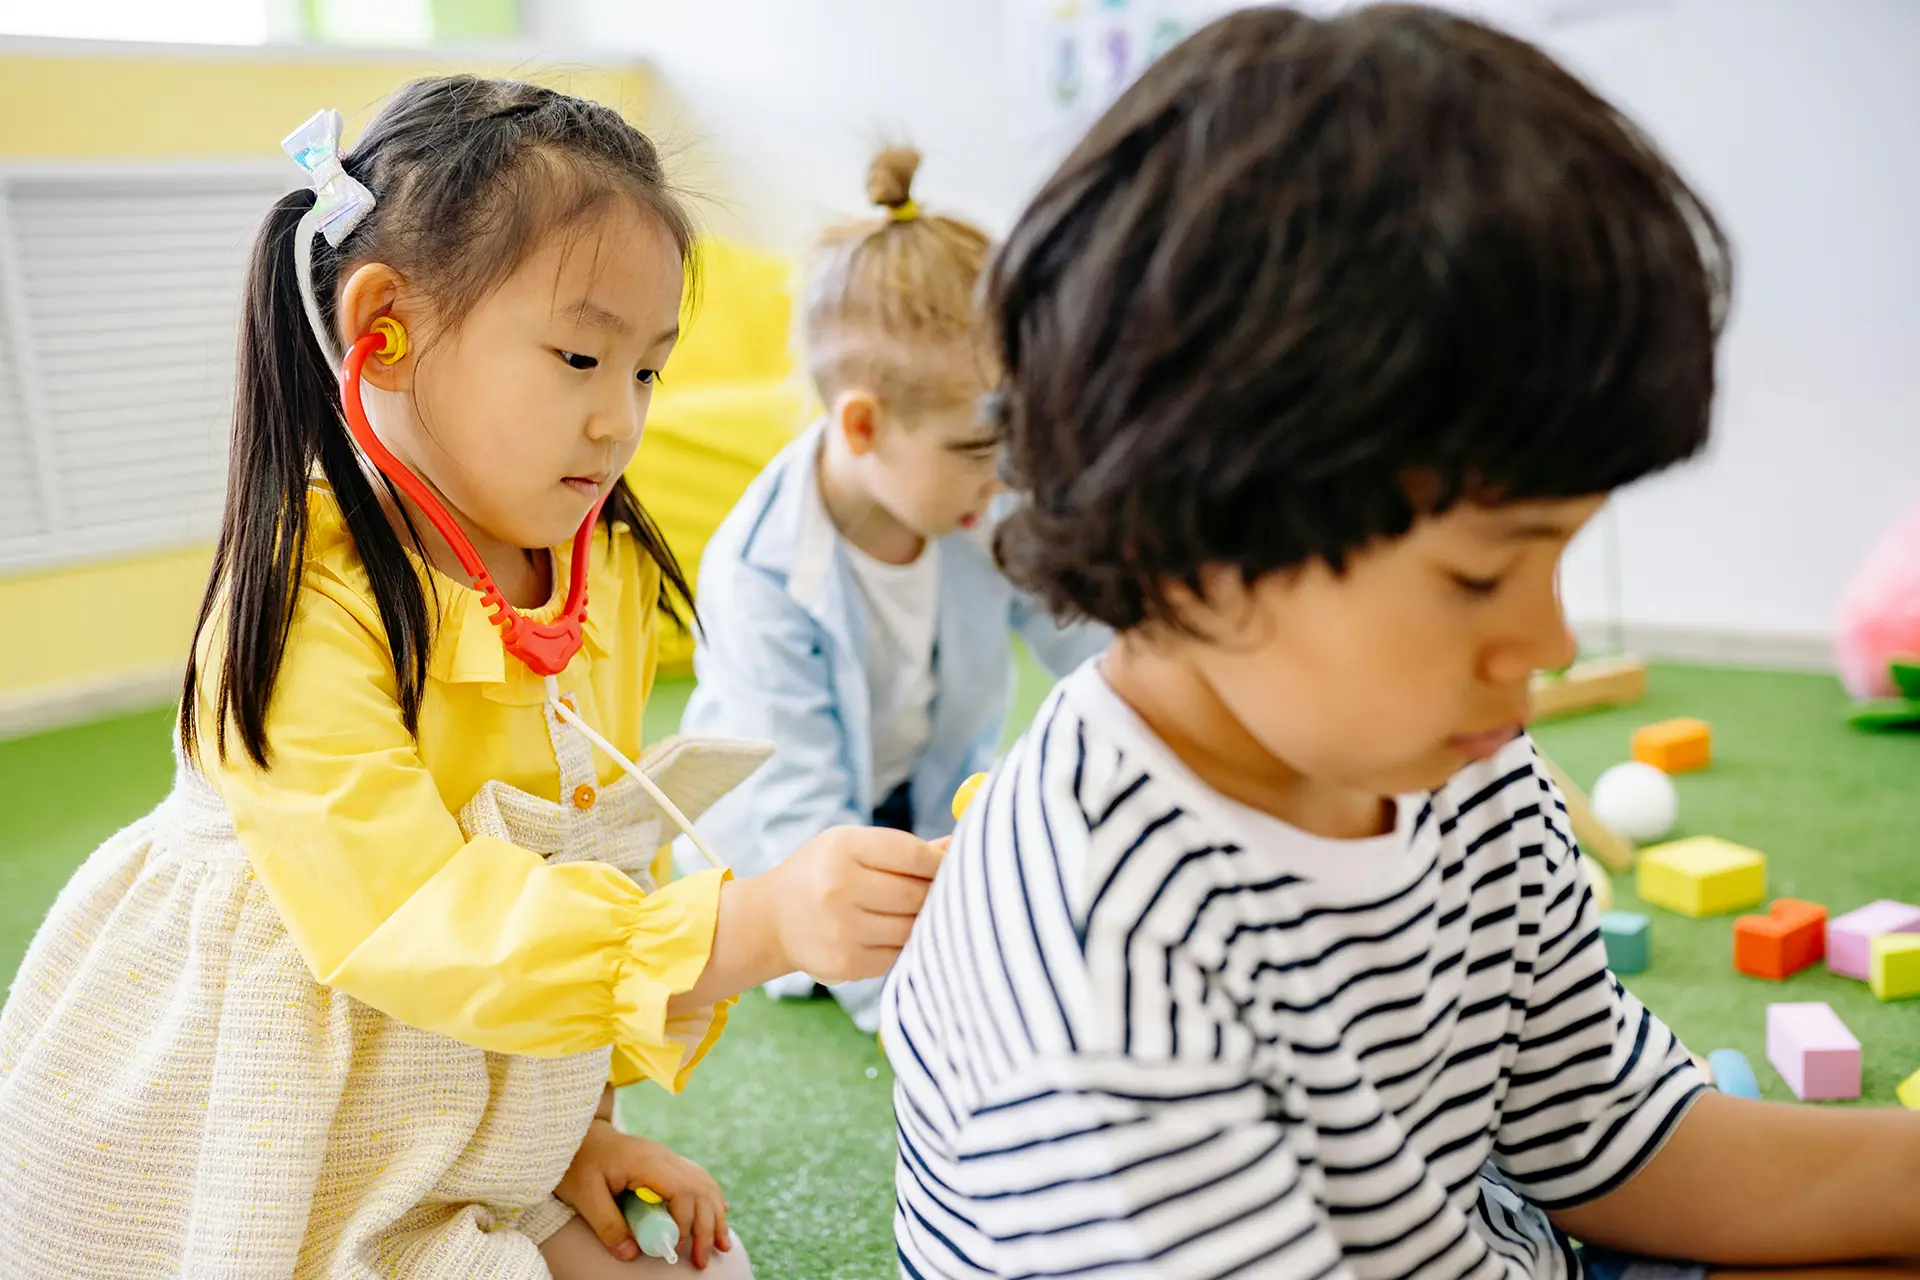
x,y
890,177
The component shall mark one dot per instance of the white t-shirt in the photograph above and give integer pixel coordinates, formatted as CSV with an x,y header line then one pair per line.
x,y
902,611
1143,1030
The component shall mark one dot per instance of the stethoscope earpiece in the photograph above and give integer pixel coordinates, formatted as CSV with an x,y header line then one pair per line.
x,y
393,340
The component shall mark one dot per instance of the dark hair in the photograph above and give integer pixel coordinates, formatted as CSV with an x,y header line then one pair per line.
x,y
469,176
1308,280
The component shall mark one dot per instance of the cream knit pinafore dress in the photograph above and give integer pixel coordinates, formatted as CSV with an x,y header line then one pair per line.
x,y
179,1097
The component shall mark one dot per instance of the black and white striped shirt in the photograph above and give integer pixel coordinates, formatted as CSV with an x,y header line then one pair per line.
x,y
1143,1031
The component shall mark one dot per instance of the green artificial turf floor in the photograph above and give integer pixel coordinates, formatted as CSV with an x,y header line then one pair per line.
x,y
787,1117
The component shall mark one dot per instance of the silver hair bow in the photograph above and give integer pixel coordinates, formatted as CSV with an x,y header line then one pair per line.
x,y
340,202
340,199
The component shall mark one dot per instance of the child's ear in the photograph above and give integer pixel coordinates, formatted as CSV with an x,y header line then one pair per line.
x,y
856,414
374,290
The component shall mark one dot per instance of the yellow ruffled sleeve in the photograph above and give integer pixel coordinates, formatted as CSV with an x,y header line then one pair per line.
x,y
388,902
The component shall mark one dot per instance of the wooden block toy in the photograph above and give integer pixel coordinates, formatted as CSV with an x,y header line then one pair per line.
x,y
1813,1051
1850,937
1732,1074
1586,686
1674,746
1627,936
1893,969
1593,835
1909,1092
1702,876
1791,937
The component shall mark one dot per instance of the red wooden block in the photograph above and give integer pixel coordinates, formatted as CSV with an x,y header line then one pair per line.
x,y
1789,938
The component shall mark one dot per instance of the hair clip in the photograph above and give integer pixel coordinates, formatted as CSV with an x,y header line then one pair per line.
x,y
340,202
340,199
905,211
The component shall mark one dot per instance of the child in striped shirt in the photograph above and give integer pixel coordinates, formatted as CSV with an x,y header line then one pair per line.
x,y
1267,951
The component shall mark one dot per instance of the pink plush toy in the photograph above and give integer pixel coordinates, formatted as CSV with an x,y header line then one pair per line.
x,y
1880,613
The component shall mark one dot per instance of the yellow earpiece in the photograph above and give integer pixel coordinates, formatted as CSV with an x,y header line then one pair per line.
x,y
393,340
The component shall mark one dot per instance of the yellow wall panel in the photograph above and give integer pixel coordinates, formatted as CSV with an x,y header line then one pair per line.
x,y
80,633
235,105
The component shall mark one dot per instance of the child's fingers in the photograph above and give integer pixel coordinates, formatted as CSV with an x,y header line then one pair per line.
x,y
682,1208
885,932
900,853
877,962
722,1233
888,894
702,1231
596,1206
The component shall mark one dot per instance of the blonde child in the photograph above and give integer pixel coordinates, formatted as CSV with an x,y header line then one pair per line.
x,y
350,1001
854,614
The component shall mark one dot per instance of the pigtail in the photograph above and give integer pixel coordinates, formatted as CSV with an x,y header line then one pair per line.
x,y
286,424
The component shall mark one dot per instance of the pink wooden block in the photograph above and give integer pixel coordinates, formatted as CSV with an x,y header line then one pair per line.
x,y
1850,937
1813,1051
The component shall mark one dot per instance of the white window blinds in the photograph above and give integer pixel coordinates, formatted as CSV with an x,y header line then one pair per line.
x,y
119,298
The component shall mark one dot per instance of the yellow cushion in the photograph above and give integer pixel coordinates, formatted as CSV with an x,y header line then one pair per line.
x,y
702,447
738,327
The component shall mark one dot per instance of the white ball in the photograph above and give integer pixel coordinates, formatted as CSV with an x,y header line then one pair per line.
x,y
1636,801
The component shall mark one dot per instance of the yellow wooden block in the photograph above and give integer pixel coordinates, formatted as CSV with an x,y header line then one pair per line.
x,y
1909,1092
1893,971
1702,876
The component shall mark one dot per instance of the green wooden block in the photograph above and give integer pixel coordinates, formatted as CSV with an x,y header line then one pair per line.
x,y
1628,936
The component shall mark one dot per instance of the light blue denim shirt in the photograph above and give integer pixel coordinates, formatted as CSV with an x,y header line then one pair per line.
x,y
783,659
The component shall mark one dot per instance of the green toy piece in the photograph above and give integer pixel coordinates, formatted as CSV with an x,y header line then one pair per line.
x,y
1902,712
1627,938
1886,713
1906,676
654,1229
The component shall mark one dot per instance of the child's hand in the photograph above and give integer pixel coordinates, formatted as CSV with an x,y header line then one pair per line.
x,y
846,899
610,1162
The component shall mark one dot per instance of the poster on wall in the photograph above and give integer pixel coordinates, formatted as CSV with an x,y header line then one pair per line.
x,y
1069,59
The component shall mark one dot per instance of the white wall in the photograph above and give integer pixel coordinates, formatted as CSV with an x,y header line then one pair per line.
x,y
1800,121
773,107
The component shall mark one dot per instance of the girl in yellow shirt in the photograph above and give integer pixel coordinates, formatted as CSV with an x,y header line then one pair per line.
x,y
349,1002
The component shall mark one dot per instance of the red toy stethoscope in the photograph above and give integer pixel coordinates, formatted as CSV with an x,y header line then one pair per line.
x,y
544,647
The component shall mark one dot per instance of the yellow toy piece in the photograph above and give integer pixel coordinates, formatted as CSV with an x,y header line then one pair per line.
x,y
1894,969
964,796
1702,876
1601,882
1909,1092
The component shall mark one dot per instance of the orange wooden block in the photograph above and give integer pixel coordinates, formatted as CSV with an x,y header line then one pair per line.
x,y
1791,937
1674,746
